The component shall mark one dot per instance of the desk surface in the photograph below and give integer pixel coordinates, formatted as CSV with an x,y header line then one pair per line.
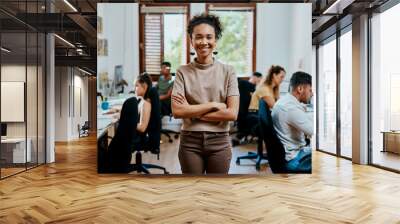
x,y
391,132
13,140
106,120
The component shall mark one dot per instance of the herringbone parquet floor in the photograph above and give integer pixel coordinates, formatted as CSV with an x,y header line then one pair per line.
x,y
70,191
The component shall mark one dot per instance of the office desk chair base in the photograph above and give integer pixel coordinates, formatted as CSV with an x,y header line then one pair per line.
x,y
252,155
243,140
167,133
143,168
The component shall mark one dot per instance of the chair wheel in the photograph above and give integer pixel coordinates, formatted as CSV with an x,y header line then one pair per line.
x,y
166,172
176,136
258,167
170,141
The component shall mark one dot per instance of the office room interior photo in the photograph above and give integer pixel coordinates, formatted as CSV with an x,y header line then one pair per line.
x,y
199,112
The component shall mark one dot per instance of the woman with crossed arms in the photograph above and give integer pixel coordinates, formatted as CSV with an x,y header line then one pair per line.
x,y
206,96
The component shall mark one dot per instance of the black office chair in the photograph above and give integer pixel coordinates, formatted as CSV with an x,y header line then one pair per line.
x,y
116,157
151,142
249,125
83,131
245,125
275,149
168,132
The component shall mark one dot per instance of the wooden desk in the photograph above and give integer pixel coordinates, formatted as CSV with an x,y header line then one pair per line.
x,y
391,141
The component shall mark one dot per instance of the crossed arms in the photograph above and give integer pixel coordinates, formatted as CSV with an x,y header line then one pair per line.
x,y
212,111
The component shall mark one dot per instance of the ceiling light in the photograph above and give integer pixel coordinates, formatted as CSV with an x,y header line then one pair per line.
x,y
65,41
5,50
70,5
84,71
332,9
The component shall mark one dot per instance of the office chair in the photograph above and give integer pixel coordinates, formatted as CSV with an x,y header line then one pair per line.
x,y
116,157
151,142
83,131
248,125
168,132
244,122
275,150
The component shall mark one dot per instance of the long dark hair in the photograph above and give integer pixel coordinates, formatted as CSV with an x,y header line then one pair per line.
x,y
145,78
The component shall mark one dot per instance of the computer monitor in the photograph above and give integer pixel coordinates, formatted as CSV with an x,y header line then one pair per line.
x,y
3,129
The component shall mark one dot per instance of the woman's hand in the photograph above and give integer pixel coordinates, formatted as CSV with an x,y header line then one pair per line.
x,y
112,111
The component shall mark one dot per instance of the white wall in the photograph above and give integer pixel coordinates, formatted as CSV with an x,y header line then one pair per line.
x,y
61,103
121,29
14,73
284,38
79,117
67,114
301,38
197,8
34,123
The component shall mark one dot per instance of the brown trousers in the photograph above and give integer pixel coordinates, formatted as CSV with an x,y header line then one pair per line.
x,y
205,152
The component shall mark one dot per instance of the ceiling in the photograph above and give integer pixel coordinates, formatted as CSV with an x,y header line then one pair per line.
x,y
77,22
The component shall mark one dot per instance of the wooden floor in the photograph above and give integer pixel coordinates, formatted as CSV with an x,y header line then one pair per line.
x,y
387,159
70,191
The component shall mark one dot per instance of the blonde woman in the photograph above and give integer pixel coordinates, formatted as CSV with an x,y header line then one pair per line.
x,y
268,89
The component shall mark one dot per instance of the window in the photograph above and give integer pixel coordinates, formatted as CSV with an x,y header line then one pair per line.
x,y
385,89
236,44
22,65
164,37
327,97
346,94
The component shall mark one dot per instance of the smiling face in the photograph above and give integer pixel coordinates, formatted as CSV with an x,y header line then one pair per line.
x,y
203,40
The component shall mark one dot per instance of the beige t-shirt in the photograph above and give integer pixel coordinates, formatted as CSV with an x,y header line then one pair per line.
x,y
202,84
260,92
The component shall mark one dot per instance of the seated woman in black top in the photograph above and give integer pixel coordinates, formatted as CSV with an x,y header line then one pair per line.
x,y
142,87
132,126
120,148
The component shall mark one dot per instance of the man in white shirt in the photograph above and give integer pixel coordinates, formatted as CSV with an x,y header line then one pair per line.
x,y
293,124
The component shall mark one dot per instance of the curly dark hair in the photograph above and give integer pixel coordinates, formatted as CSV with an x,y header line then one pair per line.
x,y
209,19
